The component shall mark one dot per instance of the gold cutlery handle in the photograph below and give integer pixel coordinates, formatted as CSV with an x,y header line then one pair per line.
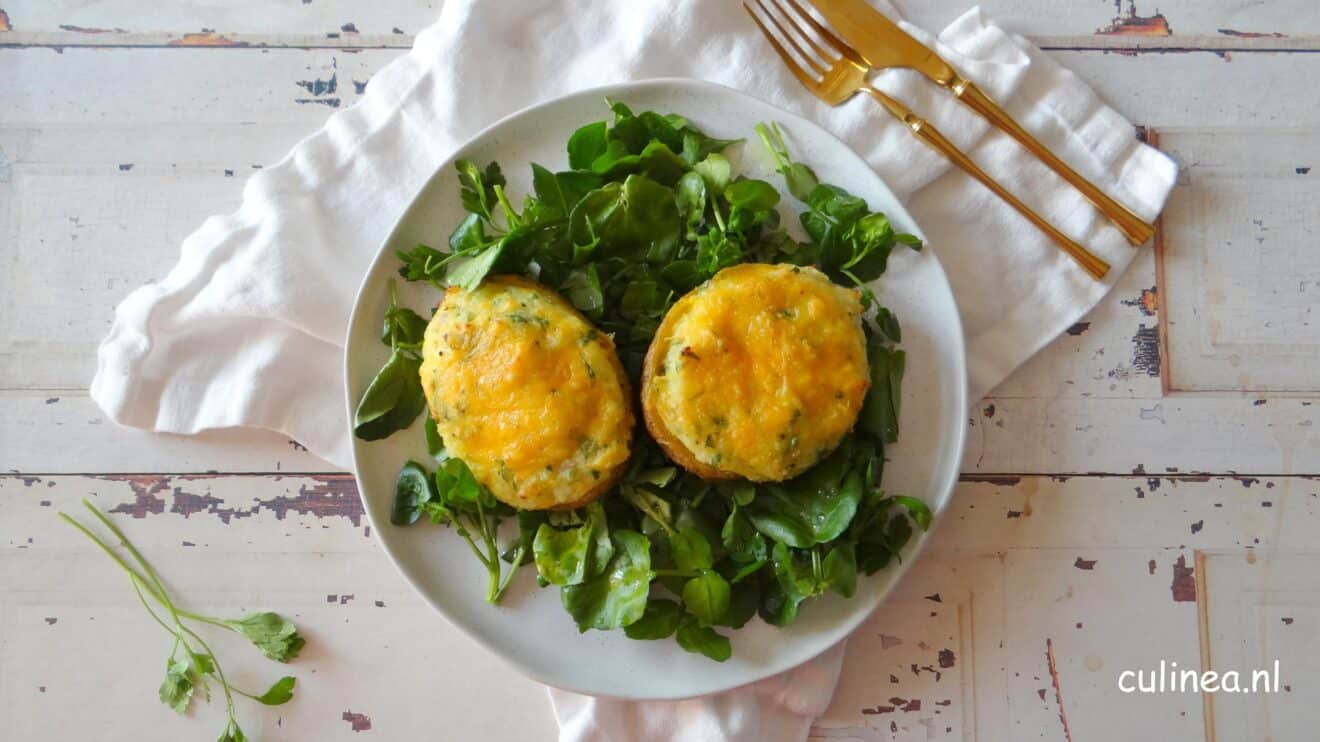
x,y
1137,230
1091,263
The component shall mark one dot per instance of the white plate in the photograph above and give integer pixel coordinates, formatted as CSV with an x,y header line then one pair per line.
x,y
530,628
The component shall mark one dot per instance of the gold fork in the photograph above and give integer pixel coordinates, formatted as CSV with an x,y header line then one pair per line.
x,y
837,73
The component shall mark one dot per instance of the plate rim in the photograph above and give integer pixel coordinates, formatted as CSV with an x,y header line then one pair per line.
x,y
620,89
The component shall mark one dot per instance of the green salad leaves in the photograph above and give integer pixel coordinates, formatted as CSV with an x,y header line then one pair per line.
x,y
649,208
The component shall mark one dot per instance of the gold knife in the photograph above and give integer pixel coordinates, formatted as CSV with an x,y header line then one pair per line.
x,y
882,43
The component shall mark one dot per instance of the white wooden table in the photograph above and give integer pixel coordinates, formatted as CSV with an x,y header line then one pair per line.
x,y
1143,490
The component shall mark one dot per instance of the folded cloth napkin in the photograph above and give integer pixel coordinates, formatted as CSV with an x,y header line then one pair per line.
x,y
248,328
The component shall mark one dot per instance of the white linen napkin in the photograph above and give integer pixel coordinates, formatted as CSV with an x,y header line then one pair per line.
x,y
248,328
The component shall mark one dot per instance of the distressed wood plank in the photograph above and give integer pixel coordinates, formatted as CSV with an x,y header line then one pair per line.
x,y
1223,24
111,149
1007,580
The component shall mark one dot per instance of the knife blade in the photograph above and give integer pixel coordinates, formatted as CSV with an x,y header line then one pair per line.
x,y
881,42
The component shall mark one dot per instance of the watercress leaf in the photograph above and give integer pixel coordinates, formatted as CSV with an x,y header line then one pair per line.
x,y
897,534
232,733
662,129
279,693
458,488
276,636
469,237
697,145
470,273
637,218
753,195
716,250
658,622
658,477
749,569
582,289
602,547
403,328
201,664
880,409
176,690
393,399
435,445
616,597
690,549
911,240
586,144
683,275
795,581
574,185
776,608
659,163
699,639
799,178
742,603
779,516
651,505
562,555
637,299
839,569
707,596
412,489
549,194
744,543
716,170
691,197
917,510
888,324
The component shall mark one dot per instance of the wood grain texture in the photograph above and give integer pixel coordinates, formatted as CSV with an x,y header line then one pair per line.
x,y
1140,490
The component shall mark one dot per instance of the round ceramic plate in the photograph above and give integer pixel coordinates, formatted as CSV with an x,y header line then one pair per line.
x,y
529,628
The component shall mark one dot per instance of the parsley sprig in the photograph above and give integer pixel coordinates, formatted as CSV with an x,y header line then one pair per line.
x,y
191,660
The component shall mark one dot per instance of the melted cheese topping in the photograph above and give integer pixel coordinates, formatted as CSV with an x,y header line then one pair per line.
x,y
764,370
527,393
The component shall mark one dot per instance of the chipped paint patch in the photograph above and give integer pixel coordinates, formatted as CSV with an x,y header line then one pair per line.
x,y
947,658
359,722
1085,564
1197,526
1151,566
322,91
1000,480
1147,302
83,29
332,495
1302,170
205,38
1132,24
1079,328
1184,582
348,28
1146,350
1252,34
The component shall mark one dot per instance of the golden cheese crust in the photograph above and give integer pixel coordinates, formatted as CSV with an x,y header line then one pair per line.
x,y
527,393
758,373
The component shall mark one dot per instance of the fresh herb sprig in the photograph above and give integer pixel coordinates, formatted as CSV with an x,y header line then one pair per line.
x,y
649,209
191,661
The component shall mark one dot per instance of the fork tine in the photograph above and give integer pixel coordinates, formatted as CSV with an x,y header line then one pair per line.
x,y
787,36
839,45
807,80
802,32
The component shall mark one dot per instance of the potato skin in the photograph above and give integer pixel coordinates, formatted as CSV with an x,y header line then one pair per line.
x,y
528,394
756,374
